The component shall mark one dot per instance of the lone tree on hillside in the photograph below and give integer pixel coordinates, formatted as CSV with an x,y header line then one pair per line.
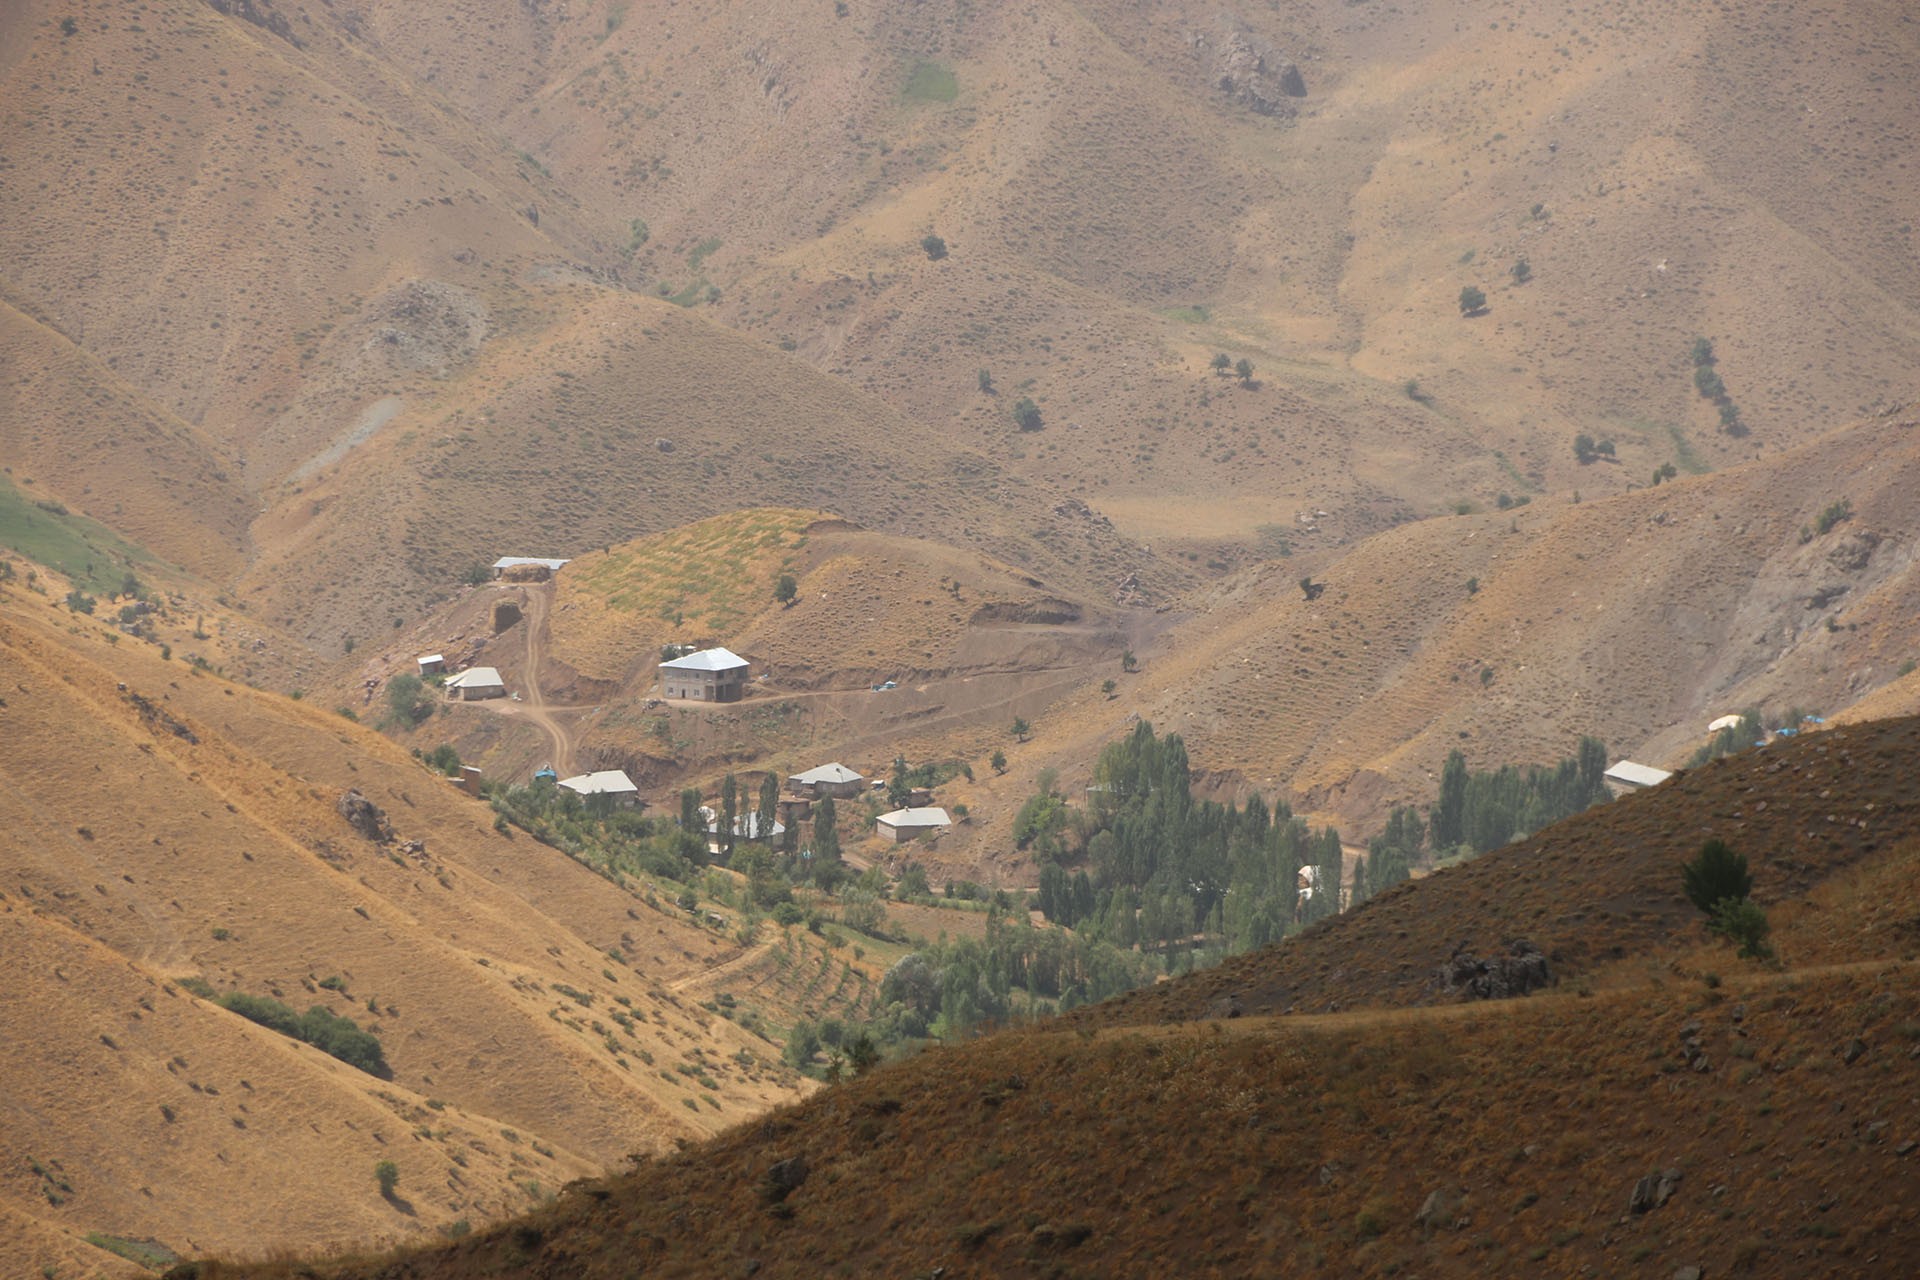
x,y
785,590
1244,367
387,1174
1716,874
1129,662
1702,352
986,381
936,247
1221,363
1521,271
1473,300
1020,729
998,761
1026,414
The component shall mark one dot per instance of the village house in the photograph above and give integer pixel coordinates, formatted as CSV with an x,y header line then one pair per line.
x,y
746,829
903,825
475,683
711,675
834,780
1628,776
431,664
605,782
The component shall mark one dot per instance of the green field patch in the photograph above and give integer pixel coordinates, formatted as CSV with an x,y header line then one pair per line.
x,y
931,82
150,1254
93,556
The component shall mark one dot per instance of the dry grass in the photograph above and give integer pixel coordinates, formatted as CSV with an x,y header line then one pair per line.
x,y
1101,1146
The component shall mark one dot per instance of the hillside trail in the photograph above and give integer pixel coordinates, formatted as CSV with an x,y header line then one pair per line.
x,y
1442,1014
533,706
741,961
536,704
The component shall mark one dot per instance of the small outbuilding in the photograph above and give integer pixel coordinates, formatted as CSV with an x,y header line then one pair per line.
x,y
746,827
476,683
711,675
431,664
827,780
903,825
605,782
1628,776
1724,722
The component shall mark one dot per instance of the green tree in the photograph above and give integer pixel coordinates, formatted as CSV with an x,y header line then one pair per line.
x,y
1448,817
769,805
826,836
1244,368
1708,383
1702,352
803,1042
1473,300
1715,874
1020,729
1128,662
935,247
408,697
1026,414
986,381
1222,362
785,589
1108,685
387,1174
80,602
690,819
1742,922
1521,271
998,761
1584,449
729,814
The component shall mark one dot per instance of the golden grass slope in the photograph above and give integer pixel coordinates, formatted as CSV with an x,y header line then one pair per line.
x,y
138,856
1457,1139
1510,635
866,602
96,444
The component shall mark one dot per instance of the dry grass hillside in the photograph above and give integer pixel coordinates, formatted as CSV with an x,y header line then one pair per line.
x,y
168,827
389,262
1761,1107
1509,635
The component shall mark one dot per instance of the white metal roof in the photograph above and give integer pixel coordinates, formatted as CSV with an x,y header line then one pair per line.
x,y
1724,722
746,825
717,659
1638,775
606,782
425,658
514,562
835,772
916,818
476,678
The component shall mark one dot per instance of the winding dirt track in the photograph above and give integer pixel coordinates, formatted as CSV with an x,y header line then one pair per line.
x,y
538,598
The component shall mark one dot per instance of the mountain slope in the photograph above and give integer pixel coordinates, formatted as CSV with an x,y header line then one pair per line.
x,y
1672,1107
168,827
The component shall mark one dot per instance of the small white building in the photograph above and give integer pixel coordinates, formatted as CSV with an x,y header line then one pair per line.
x,y
746,826
431,664
1628,776
827,780
476,683
711,675
1724,722
903,825
605,782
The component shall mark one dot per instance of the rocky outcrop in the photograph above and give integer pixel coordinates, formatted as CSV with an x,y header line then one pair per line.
x,y
1249,70
1521,970
260,15
364,816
